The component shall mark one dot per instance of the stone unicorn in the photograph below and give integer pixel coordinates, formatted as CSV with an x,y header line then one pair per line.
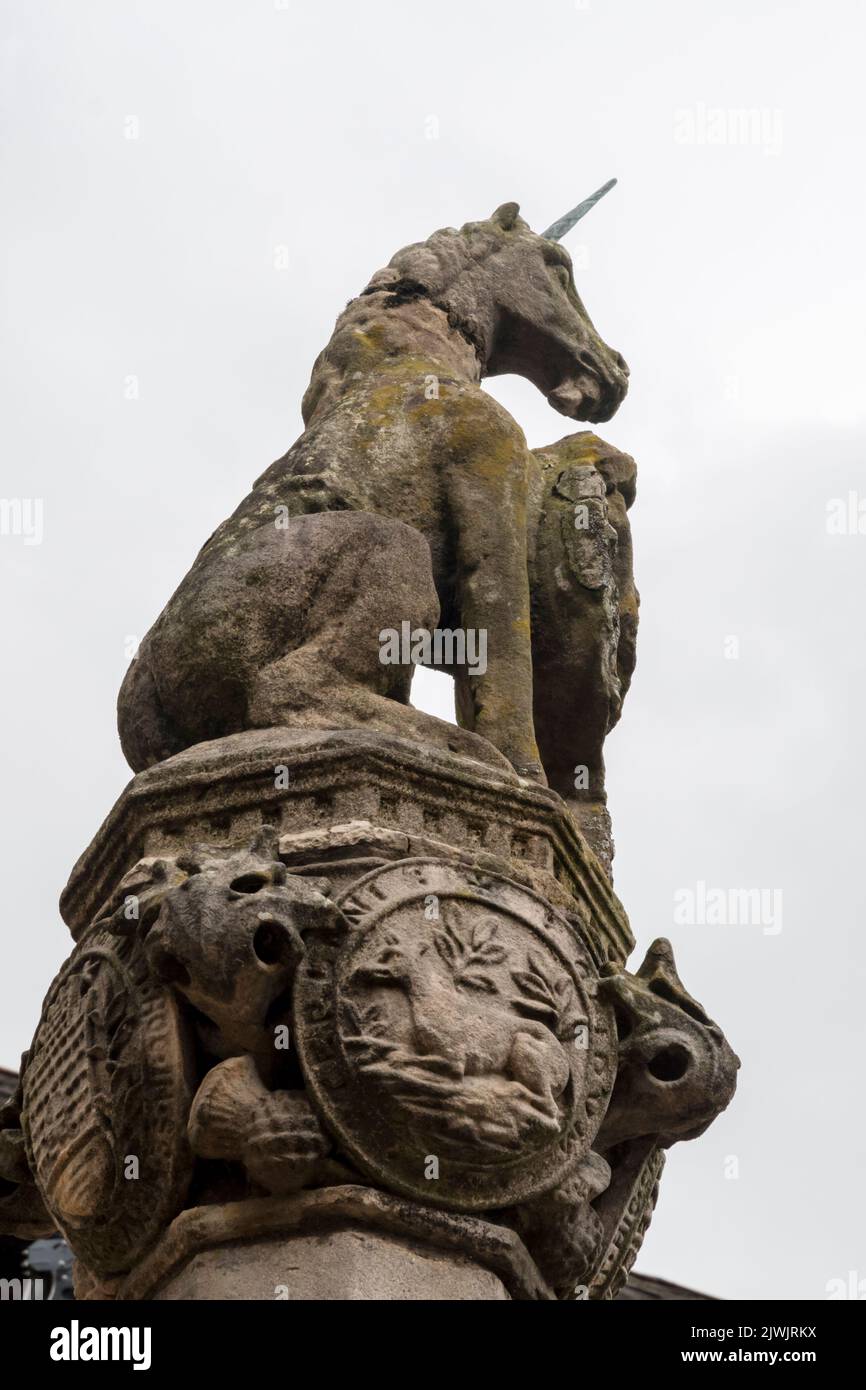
x,y
410,496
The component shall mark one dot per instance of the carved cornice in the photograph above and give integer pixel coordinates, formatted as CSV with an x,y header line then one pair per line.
x,y
221,792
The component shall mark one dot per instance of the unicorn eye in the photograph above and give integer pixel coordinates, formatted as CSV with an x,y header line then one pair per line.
x,y
563,275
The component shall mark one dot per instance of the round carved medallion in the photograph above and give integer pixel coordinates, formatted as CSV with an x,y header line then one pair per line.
x,y
106,1095
452,1037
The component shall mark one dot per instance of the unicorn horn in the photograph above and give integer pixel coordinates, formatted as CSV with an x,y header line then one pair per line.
x,y
558,229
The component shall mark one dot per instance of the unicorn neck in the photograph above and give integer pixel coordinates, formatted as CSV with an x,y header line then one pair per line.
x,y
381,334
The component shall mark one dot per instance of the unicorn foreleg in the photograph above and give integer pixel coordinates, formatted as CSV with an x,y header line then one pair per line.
x,y
486,485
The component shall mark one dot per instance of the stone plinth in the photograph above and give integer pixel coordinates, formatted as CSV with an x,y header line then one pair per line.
x,y
341,1243
349,1019
409,802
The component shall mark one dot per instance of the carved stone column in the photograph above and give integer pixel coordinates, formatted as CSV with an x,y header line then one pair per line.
x,y
344,1021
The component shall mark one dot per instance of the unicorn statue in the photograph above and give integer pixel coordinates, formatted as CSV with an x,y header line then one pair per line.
x,y
411,502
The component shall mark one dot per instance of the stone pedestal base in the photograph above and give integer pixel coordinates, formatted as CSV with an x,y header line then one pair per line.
x,y
348,1242
347,1265
346,1019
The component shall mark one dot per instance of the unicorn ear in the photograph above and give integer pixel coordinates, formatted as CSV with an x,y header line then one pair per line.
x,y
506,216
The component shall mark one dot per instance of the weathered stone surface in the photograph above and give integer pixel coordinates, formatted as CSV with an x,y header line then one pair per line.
x,y
584,617
625,1210
676,1070
107,1084
325,887
562,1229
345,1265
349,986
226,931
413,959
274,1134
278,621
284,630
414,1230
433,1027
23,1213
319,784
453,1040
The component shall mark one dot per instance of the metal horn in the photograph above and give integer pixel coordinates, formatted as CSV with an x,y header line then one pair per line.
x,y
558,229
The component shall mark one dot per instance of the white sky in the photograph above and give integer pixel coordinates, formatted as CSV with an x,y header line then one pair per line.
x,y
731,277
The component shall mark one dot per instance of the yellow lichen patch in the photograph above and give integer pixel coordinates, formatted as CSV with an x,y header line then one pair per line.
x,y
372,339
385,402
432,405
495,451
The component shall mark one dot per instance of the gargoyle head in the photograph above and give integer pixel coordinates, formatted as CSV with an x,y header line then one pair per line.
x,y
226,931
676,1071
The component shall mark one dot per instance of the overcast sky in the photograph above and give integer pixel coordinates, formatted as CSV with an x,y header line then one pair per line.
x,y
193,190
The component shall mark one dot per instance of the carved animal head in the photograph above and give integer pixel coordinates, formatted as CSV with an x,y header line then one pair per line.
x,y
676,1071
397,963
512,293
226,931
